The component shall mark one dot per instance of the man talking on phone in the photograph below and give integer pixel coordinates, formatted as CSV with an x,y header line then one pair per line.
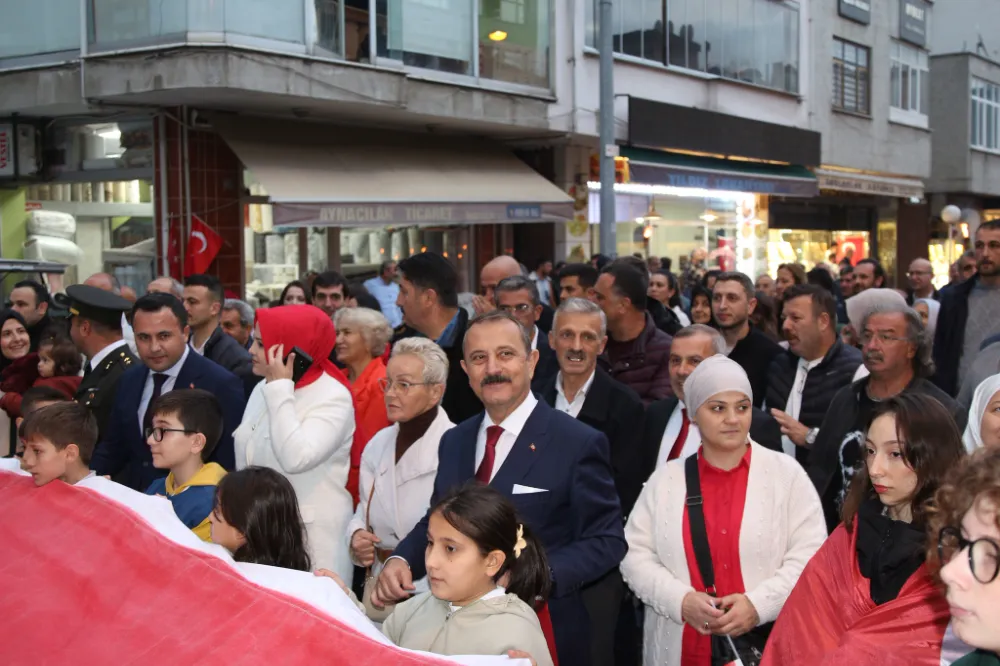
x,y
161,336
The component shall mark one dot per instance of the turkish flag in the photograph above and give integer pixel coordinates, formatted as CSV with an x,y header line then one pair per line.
x,y
202,246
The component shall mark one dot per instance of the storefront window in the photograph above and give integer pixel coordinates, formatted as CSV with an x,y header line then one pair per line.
x,y
104,226
514,41
813,247
732,227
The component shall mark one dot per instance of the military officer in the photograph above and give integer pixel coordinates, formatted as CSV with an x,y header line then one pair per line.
x,y
96,329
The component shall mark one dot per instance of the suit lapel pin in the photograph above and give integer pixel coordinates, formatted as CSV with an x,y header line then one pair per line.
x,y
192,384
532,447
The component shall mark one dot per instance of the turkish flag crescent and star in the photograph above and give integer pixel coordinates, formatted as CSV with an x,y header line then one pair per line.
x,y
98,574
202,246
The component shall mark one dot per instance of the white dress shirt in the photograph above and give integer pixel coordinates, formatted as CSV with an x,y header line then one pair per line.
x,y
168,385
794,404
103,354
512,427
572,408
128,335
534,340
670,434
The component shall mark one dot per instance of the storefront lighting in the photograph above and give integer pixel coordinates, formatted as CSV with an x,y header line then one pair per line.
x,y
113,133
459,255
498,35
965,230
423,249
664,190
465,247
708,217
444,254
647,232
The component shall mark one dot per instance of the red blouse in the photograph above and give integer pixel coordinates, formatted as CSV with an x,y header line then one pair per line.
x,y
723,496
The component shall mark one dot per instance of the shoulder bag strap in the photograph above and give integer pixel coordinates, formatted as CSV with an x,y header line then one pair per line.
x,y
696,522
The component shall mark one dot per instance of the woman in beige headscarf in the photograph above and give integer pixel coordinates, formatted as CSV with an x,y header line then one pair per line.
x,y
763,517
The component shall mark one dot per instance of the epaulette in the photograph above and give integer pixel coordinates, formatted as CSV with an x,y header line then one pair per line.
x,y
122,357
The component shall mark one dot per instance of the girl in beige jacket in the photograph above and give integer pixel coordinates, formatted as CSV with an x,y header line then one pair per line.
x,y
474,541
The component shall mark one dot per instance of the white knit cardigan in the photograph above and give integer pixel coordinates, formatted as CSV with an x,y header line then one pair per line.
x,y
782,528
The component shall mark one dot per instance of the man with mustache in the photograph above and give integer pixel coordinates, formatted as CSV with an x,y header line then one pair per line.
x,y
554,468
970,312
589,394
896,350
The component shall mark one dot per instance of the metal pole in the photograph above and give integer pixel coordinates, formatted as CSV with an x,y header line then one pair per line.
x,y
607,130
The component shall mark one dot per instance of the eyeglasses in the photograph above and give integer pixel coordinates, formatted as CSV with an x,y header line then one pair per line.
x,y
984,554
883,338
520,308
157,433
402,387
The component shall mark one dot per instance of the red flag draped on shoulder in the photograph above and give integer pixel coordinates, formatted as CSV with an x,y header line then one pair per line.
x,y
830,619
202,246
88,581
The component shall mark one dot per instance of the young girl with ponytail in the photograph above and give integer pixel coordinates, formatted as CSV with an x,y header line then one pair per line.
x,y
475,542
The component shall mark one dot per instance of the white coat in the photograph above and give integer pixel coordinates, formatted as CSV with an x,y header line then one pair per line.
x,y
306,435
402,490
782,528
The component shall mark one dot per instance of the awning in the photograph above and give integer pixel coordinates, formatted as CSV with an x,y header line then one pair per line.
x,y
321,175
656,167
886,186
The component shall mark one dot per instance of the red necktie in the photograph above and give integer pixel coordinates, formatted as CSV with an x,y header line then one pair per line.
x,y
682,436
485,471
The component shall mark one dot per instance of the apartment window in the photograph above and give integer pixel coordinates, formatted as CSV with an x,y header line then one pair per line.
x,y
985,121
851,76
909,79
755,41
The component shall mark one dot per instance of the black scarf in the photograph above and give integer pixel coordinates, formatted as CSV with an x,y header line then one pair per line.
x,y
889,551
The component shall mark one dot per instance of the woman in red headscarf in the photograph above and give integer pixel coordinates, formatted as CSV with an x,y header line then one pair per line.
x,y
303,426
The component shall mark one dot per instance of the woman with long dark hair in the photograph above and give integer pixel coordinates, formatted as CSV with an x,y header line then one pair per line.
x,y
295,293
664,287
256,518
868,598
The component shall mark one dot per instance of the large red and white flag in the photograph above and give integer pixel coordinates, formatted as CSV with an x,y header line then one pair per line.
x,y
97,574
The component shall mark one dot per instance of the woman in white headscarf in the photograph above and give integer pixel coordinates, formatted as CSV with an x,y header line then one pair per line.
x,y
763,518
983,429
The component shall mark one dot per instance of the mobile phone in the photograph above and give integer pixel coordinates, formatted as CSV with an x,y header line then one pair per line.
x,y
303,362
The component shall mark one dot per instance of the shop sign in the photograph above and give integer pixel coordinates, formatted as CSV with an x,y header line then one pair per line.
x,y
856,10
401,214
913,21
873,186
655,174
6,150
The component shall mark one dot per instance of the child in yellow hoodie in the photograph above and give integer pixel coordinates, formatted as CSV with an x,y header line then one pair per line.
x,y
187,425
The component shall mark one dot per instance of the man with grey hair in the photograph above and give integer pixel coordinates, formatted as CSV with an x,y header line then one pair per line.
x,y
669,432
587,393
518,296
897,353
237,321
166,285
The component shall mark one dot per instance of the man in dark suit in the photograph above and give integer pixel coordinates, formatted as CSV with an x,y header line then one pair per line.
x,y
519,296
589,394
428,296
554,469
203,301
669,431
161,334
96,330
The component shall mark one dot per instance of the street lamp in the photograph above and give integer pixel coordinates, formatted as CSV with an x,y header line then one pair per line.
x,y
952,216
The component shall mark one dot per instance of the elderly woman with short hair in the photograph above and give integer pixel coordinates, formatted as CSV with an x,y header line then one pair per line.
x,y
400,462
362,336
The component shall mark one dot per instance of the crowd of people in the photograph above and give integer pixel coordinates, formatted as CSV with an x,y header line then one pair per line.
x,y
601,463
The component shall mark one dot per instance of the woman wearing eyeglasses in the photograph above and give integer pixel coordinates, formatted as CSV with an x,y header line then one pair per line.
x,y
362,336
301,423
400,462
965,527
867,598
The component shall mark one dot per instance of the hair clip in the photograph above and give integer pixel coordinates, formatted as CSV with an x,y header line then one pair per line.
x,y
520,544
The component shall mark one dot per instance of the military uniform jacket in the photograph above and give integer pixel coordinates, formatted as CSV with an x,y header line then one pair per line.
x,y
97,390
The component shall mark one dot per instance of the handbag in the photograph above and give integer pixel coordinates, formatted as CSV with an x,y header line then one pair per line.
x,y
745,650
374,614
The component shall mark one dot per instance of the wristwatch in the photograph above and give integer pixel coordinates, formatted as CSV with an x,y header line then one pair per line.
x,y
811,436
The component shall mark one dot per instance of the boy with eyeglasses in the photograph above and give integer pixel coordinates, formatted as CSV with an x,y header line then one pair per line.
x,y
187,425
